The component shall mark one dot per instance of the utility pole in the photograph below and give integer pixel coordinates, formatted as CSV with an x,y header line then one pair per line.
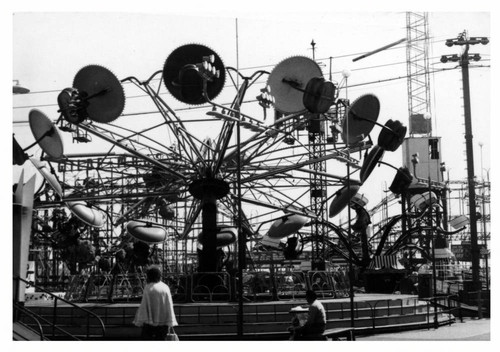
x,y
463,60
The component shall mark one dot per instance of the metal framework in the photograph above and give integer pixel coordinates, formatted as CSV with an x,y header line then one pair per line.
x,y
151,167
318,183
417,63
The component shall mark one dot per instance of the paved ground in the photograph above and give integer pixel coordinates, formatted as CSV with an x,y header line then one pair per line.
x,y
470,330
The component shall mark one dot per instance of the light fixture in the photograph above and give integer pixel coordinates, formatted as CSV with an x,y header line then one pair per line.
x,y
484,40
346,73
18,89
414,158
442,167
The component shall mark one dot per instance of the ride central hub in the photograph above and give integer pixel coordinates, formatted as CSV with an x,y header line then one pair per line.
x,y
208,188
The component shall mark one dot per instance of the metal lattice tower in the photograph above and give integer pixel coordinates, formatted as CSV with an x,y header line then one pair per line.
x,y
417,61
318,183
317,139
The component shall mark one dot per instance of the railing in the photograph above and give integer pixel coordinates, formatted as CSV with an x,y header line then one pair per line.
x,y
18,310
290,285
374,309
454,287
257,286
380,309
322,283
211,287
105,287
178,285
451,273
482,301
53,322
446,304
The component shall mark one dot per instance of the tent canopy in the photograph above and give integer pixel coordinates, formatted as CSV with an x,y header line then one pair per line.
x,y
385,261
443,253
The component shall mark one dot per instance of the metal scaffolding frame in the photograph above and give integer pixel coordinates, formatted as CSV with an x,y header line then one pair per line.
x,y
417,63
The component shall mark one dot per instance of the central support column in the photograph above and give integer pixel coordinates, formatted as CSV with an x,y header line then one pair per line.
x,y
209,190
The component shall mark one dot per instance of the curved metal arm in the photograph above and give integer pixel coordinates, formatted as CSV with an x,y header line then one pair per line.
x,y
260,72
387,164
338,230
295,85
131,79
356,116
48,133
134,79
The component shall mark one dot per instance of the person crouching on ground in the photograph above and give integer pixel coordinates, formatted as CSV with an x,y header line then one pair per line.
x,y
316,320
156,312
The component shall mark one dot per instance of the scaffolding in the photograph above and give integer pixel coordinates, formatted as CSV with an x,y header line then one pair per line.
x,y
417,63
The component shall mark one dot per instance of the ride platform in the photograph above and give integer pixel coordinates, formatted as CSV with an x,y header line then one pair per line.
x,y
372,313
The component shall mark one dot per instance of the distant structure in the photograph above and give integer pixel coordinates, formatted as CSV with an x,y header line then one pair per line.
x,y
421,143
417,61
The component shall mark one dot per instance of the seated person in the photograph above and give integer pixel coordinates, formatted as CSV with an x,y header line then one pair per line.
x,y
316,320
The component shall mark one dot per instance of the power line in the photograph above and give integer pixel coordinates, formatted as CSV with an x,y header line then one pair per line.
x,y
272,65
254,100
247,101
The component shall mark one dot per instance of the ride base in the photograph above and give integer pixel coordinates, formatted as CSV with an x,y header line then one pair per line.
x,y
373,313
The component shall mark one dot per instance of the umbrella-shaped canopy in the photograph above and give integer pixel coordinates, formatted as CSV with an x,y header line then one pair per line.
x,y
146,231
90,216
343,198
287,225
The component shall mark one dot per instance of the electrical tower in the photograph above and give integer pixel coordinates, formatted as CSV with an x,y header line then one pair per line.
x,y
417,63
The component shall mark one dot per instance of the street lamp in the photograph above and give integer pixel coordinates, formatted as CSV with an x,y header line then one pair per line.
x,y
18,89
415,161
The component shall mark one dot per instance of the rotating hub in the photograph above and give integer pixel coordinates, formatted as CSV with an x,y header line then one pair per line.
x,y
208,188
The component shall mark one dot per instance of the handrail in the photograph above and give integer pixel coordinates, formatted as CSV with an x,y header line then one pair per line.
x,y
56,298
54,327
438,301
443,302
223,280
372,312
32,316
91,287
372,306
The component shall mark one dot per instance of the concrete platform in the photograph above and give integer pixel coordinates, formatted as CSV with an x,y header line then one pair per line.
x,y
469,330
262,320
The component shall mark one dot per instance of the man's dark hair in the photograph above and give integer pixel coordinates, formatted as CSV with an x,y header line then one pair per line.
x,y
311,295
153,274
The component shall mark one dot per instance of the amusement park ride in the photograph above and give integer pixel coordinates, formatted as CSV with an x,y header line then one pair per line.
x,y
257,195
